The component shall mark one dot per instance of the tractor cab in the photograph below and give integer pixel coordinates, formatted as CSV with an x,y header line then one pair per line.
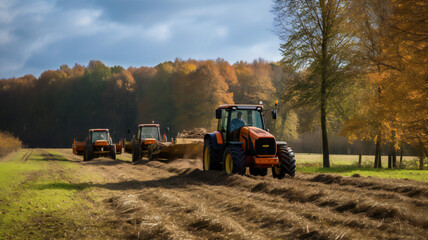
x,y
99,144
231,118
148,133
99,137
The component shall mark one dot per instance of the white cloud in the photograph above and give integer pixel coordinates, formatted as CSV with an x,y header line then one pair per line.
x,y
160,32
85,17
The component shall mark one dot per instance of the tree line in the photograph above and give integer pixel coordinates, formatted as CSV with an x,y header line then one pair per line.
x,y
365,66
62,104
49,111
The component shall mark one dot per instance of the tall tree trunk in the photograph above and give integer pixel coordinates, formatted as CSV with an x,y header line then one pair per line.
x,y
394,158
389,161
324,76
376,162
379,162
401,154
359,160
423,151
325,153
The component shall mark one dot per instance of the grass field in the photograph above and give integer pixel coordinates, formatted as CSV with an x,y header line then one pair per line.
x,y
347,165
36,192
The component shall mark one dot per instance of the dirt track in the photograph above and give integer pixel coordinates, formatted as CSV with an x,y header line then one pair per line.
x,y
177,200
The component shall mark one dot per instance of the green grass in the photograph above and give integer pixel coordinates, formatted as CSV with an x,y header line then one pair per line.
x,y
347,165
37,194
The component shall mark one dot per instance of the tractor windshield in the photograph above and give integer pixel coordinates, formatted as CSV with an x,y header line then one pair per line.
x,y
100,135
149,132
241,117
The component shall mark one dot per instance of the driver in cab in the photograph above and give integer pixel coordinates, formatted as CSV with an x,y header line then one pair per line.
x,y
238,122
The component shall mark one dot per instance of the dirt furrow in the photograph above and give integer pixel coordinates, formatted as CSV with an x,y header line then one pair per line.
x,y
323,212
155,199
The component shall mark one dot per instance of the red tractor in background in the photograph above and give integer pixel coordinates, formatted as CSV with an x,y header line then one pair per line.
x,y
99,144
147,134
242,141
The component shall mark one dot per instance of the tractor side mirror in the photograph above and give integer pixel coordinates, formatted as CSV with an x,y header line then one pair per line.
x,y
273,114
218,113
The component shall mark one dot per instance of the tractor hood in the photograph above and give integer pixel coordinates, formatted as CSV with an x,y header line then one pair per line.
x,y
258,141
148,141
101,143
257,133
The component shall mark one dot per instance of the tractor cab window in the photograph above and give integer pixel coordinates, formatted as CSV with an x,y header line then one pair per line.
x,y
99,135
150,132
222,123
241,117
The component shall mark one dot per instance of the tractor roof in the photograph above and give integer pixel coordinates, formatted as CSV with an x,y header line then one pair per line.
x,y
240,106
98,130
148,125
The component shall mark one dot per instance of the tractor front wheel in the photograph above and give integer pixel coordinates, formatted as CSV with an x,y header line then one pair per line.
x,y
113,152
287,162
88,154
234,160
136,152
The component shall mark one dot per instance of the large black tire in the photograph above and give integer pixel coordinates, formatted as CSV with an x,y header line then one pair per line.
x,y
287,162
88,154
234,160
210,160
85,156
136,152
113,152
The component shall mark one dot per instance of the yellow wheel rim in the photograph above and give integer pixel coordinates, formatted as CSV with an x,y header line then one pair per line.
x,y
277,170
229,164
206,159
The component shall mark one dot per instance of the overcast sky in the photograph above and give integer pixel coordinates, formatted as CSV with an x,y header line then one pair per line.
x,y
37,35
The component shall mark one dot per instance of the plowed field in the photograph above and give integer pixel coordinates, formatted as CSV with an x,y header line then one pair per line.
x,y
177,200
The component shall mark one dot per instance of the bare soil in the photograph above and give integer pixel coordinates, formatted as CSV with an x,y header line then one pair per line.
x,y
177,200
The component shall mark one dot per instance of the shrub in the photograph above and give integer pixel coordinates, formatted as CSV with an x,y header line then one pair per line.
x,y
8,143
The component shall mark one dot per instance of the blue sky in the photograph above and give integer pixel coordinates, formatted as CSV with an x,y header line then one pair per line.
x,y
44,34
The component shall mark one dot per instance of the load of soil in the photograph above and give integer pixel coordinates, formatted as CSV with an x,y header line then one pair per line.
x,y
193,133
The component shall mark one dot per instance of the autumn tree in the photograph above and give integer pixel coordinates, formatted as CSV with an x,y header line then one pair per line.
x,y
209,89
254,82
393,42
317,36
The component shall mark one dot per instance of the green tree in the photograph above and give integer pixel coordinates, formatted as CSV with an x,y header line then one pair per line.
x,y
317,36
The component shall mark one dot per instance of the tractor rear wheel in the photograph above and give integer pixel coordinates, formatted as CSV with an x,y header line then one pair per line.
x,y
136,151
210,157
234,160
287,162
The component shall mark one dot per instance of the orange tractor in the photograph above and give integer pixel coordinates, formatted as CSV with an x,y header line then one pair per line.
x,y
147,134
242,141
98,144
